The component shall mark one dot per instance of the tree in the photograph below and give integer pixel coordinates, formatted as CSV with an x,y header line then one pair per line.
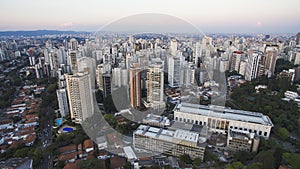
x,y
255,166
282,133
111,120
243,156
266,158
293,159
235,165
89,164
197,162
185,158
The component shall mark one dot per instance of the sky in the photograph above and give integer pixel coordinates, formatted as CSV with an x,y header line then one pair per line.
x,y
210,16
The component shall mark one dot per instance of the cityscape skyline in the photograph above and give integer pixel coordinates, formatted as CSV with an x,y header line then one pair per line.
x,y
210,16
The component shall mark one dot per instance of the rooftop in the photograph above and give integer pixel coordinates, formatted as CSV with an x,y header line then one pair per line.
x,y
224,113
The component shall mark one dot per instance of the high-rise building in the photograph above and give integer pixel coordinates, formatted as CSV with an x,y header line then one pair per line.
x,y
270,59
99,73
174,66
89,65
255,66
80,96
73,59
235,61
155,85
73,44
298,38
135,86
173,47
62,102
106,82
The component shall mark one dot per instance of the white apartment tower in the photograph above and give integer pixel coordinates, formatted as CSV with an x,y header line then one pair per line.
x,y
80,96
174,66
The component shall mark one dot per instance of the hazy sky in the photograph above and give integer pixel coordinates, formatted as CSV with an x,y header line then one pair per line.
x,y
228,16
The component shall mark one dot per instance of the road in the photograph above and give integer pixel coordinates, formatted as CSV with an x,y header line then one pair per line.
x,y
46,138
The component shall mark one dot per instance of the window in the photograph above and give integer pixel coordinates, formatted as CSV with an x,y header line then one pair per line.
x,y
245,129
192,121
231,127
255,131
241,128
180,119
260,132
250,130
265,134
188,120
235,127
176,118
183,120
196,121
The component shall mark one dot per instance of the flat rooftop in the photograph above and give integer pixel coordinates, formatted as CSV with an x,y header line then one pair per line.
x,y
224,113
167,135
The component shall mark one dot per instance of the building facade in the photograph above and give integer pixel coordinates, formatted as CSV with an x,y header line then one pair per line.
x,y
80,96
175,143
221,119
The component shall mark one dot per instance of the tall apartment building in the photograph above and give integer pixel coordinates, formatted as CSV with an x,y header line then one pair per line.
x,y
80,96
135,86
99,73
62,102
155,85
270,59
87,64
106,81
235,61
255,65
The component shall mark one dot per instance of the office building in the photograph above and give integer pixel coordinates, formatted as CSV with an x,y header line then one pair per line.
x,y
240,140
175,143
80,96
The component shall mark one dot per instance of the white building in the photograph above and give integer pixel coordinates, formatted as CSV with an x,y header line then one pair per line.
x,y
155,85
62,102
174,66
80,96
220,119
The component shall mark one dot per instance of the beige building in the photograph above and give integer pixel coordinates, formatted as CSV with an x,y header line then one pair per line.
x,y
221,119
240,140
80,96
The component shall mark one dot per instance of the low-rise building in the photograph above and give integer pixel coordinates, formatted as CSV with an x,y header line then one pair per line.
x,y
176,143
240,140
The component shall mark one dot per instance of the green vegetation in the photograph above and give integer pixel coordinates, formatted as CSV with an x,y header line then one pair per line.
x,y
282,133
293,159
185,158
283,114
89,164
235,165
282,64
